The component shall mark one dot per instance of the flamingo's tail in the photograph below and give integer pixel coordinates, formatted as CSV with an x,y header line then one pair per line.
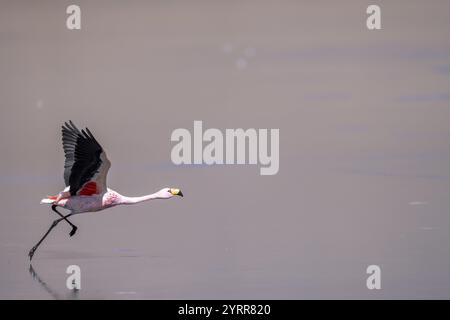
x,y
48,200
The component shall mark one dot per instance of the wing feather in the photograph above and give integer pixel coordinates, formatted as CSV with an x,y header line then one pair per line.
x,y
85,159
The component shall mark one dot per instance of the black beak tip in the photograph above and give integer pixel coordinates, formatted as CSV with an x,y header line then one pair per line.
x,y
180,193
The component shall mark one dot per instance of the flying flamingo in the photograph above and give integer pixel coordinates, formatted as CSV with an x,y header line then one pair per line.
x,y
85,169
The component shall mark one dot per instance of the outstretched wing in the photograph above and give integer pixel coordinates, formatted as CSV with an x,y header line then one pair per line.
x,y
86,165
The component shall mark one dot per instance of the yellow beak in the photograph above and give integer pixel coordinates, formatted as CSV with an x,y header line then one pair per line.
x,y
176,192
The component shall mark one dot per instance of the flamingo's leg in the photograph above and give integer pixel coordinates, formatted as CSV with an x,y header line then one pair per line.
x,y
74,227
54,224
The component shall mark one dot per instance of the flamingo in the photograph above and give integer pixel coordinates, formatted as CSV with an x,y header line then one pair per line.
x,y
85,169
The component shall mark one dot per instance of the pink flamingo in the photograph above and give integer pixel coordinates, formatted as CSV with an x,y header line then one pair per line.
x,y
85,170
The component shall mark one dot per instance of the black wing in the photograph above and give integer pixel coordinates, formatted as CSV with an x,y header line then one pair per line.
x,y
85,160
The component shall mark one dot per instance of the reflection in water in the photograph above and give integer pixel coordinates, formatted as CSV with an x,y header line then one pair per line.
x,y
73,295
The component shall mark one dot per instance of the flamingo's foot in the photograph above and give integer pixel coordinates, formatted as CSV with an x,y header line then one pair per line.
x,y
74,229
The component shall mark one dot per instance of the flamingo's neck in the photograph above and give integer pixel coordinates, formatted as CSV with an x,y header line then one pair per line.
x,y
133,200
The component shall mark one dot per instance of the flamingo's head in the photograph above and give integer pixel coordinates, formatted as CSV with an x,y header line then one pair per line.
x,y
167,193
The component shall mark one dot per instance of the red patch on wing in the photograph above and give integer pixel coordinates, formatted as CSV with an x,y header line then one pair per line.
x,y
52,197
89,188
